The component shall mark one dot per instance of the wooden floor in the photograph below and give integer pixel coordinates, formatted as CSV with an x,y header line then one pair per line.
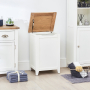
x,y
47,80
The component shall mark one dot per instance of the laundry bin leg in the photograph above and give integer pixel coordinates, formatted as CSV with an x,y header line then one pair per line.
x,y
58,70
36,72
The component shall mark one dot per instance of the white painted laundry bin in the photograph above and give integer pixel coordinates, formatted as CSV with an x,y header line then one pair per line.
x,y
44,46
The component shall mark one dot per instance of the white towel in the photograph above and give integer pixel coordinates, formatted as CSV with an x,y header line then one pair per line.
x,y
83,73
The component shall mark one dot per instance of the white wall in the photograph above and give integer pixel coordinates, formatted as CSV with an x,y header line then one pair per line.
x,y
20,10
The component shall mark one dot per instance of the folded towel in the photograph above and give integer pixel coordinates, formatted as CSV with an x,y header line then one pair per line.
x,y
13,76
82,73
8,73
23,76
22,73
10,78
16,79
23,80
13,81
79,68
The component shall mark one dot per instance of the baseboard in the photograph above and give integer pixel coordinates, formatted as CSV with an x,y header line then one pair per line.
x,y
24,65
63,62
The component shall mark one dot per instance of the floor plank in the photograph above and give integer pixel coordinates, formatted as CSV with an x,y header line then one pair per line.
x,y
47,80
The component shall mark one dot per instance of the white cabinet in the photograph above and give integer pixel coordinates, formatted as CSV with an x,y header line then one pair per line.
x,y
45,51
8,49
78,37
44,43
83,43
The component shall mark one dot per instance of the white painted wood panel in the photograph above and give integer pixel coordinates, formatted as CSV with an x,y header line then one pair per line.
x,y
48,53
10,35
6,56
83,41
16,50
71,30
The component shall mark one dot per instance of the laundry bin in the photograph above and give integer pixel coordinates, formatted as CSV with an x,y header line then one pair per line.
x,y
44,43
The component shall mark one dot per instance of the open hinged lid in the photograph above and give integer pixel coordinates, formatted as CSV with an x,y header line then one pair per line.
x,y
42,22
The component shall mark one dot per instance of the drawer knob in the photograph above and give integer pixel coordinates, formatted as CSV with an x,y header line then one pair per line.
x,y
78,46
4,36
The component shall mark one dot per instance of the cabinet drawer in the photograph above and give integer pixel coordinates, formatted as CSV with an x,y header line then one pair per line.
x,y
6,35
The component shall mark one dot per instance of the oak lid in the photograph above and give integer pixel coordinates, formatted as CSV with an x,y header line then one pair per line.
x,y
42,22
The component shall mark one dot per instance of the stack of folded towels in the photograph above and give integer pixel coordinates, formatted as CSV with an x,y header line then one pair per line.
x,y
17,76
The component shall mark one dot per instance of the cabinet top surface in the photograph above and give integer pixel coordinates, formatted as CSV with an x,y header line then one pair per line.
x,y
4,27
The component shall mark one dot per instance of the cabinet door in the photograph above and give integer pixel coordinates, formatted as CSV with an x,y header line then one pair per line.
x,y
49,53
83,46
6,56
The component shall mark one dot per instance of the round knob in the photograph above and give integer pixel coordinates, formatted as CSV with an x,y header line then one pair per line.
x,y
78,46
